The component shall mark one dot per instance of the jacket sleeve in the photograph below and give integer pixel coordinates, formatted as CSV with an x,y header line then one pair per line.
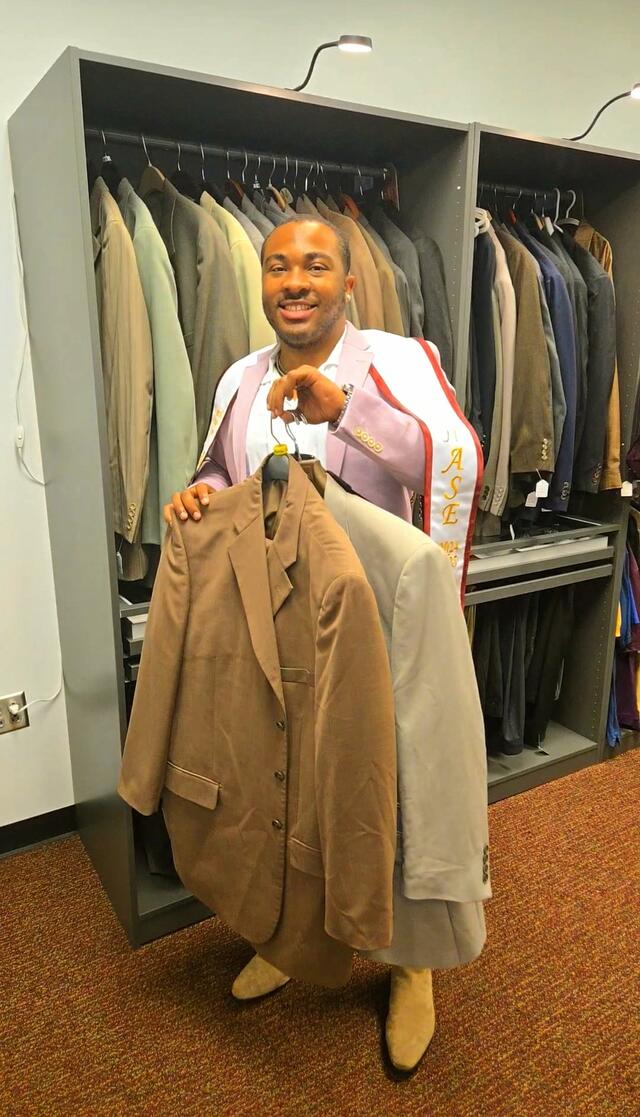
x,y
215,470
147,744
442,765
355,766
385,435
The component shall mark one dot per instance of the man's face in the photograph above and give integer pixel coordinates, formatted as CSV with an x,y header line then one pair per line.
x,y
304,286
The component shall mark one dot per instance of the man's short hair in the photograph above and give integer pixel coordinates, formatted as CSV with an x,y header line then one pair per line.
x,y
343,244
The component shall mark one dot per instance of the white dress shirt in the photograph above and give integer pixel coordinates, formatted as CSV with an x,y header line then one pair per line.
x,y
311,438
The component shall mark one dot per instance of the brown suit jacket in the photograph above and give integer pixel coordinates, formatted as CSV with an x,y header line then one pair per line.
x,y
209,305
367,292
532,447
263,718
127,360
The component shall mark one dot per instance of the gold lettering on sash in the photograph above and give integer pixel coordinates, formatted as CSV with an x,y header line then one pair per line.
x,y
449,513
455,460
451,548
455,483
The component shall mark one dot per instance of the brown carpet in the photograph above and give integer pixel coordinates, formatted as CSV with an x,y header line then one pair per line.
x,y
545,1024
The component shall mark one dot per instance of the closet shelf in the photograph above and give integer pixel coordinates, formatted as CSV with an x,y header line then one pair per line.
x,y
562,752
158,900
545,581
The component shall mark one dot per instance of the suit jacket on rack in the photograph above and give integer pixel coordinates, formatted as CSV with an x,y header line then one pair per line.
x,y
400,280
437,315
127,360
532,447
213,322
611,478
280,796
403,251
600,368
173,445
367,293
253,233
247,270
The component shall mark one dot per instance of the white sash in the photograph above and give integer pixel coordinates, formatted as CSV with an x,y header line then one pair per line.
x,y
411,378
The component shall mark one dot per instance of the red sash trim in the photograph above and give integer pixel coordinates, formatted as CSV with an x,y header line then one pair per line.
x,y
451,396
385,391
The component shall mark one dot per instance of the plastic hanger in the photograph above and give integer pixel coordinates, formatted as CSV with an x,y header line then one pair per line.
x,y
109,171
151,178
566,220
276,467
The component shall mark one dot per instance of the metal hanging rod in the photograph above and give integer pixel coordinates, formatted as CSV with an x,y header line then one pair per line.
x,y
565,196
270,159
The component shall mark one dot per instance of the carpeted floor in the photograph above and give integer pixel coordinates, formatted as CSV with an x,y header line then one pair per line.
x,y
545,1024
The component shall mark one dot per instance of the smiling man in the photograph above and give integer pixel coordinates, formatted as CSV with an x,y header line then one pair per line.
x,y
377,411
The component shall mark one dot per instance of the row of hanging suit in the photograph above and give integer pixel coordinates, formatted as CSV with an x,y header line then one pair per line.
x,y
542,390
179,287
519,646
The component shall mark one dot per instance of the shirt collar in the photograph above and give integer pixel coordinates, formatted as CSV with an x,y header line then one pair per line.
x,y
332,361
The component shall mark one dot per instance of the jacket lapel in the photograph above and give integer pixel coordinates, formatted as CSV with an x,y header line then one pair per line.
x,y
251,380
262,578
355,362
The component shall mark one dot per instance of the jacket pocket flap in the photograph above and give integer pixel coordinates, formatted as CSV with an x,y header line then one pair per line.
x,y
305,858
189,785
296,675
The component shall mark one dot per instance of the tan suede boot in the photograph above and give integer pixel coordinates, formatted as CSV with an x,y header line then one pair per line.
x,y
411,1020
257,979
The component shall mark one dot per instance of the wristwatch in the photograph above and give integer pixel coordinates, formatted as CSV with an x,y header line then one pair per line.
x,y
348,392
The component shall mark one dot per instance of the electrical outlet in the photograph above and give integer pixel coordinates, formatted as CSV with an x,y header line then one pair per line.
x,y
9,721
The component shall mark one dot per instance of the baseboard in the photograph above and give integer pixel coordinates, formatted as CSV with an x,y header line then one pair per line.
x,y
33,831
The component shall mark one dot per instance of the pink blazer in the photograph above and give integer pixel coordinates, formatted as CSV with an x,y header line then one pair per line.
x,y
377,449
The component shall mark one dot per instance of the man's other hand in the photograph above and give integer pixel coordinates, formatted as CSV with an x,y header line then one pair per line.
x,y
189,502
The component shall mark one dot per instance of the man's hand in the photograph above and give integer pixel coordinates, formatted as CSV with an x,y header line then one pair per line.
x,y
189,502
317,397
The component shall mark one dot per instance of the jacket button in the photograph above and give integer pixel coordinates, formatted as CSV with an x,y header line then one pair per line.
x,y
277,824
279,775
281,725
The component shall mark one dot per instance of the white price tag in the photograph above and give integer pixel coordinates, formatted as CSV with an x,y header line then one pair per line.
x,y
531,500
627,489
542,488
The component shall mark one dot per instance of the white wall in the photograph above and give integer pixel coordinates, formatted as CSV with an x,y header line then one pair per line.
x,y
543,68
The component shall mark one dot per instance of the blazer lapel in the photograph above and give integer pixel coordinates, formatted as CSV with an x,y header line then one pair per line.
x,y
262,578
251,380
248,557
355,362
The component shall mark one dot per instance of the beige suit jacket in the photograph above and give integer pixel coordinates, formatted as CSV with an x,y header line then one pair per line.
x,y
393,322
173,447
211,314
304,205
442,861
367,292
248,273
263,718
127,361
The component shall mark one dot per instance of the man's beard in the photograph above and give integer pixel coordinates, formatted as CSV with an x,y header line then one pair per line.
x,y
331,315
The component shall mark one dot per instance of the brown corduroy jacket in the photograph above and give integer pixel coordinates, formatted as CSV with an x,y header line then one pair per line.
x,y
263,719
